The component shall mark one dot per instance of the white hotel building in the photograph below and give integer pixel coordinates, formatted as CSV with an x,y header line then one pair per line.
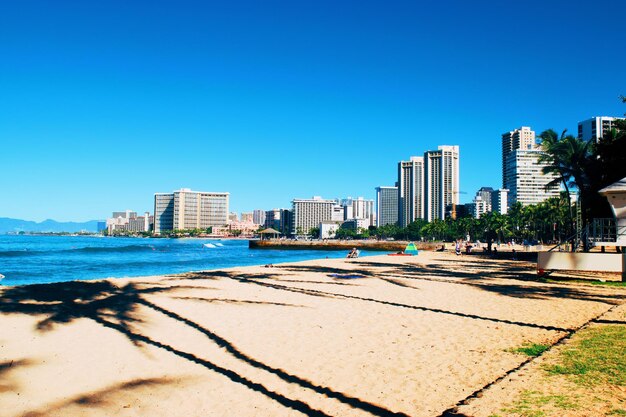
x,y
310,213
386,205
410,190
428,185
441,181
522,171
187,209
525,180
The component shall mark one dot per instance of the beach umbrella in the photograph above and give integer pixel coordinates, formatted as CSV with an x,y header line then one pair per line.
x,y
411,249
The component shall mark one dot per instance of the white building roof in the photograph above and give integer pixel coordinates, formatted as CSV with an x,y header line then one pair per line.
x,y
616,187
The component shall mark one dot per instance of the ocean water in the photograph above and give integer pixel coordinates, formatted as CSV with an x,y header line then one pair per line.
x,y
44,259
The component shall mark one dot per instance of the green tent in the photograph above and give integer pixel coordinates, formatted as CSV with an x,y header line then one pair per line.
x,y
411,249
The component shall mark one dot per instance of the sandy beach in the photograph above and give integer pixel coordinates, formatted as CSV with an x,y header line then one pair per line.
x,y
374,336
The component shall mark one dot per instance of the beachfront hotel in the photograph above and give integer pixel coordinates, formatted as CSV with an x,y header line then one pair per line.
x,y
428,186
258,217
522,169
410,190
310,213
441,181
187,209
129,221
357,208
386,205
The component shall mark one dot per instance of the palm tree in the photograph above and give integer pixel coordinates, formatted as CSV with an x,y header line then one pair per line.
x,y
568,157
516,218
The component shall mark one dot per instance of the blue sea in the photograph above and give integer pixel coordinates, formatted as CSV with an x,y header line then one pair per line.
x,y
42,259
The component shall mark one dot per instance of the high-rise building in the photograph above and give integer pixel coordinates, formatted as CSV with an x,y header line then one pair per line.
x,y
309,213
485,193
247,217
141,223
522,169
364,209
128,221
286,220
489,200
339,213
596,127
272,219
279,220
441,181
522,138
500,201
480,207
233,216
258,216
358,208
187,209
386,205
526,181
410,190
482,201
163,212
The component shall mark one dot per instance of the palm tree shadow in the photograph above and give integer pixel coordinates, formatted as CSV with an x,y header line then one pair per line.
x,y
327,270
99,398
117,308
6,368
62,303
480,275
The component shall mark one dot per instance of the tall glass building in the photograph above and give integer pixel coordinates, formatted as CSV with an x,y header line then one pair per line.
x,y
386,205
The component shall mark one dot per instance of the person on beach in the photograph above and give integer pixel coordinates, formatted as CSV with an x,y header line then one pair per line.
x,y
457,247
353,253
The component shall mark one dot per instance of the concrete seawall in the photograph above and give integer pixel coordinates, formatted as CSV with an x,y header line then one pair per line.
x,y
383,246
374,245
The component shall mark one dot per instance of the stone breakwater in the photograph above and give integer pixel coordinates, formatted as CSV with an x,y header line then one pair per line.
x,y
374,245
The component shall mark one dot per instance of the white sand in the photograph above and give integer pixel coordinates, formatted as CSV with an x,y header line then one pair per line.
x,y
415,335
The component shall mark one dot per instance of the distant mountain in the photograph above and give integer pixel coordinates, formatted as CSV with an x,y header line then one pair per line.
x,y
8,225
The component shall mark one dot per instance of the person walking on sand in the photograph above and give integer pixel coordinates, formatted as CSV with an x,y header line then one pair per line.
x,y
457,247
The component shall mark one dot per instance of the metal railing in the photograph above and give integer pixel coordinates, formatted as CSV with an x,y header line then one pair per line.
x,y
597,232
602,230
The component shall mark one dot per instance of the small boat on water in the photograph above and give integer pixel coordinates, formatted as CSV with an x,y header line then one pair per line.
x,y
1,276
209,245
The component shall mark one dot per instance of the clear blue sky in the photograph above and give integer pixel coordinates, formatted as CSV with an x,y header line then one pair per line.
x,y
102,104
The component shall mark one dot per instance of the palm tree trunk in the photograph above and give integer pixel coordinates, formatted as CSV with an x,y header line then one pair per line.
x,y
571,215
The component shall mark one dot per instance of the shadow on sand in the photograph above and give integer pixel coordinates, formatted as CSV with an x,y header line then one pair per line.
x,y
117,308
99,398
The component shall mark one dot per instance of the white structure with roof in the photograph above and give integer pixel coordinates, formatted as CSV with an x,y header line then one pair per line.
x,y
616,194
612,234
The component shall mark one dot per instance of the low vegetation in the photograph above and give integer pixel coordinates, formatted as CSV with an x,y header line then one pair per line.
x,y
531,349
591,376
532,404
597,357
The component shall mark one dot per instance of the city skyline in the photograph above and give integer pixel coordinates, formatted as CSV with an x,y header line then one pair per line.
x,y
272,104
